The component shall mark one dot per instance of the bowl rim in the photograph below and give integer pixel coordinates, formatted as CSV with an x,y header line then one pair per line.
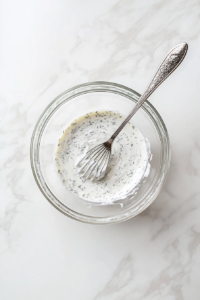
x,y
107,87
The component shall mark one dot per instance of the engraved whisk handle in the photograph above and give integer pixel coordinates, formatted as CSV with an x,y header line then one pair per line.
x,y
172,60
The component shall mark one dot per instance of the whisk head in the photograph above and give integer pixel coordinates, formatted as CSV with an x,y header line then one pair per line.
x,y
94,164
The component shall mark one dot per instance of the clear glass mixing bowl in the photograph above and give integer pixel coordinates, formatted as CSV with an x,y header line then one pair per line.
x,y
67,107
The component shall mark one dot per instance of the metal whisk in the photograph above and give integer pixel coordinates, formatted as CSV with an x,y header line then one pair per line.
x,y
94,164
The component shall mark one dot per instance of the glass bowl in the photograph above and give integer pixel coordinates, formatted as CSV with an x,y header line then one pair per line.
x,y
67,107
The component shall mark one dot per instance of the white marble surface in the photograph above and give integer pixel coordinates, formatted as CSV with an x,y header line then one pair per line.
x,y
47,47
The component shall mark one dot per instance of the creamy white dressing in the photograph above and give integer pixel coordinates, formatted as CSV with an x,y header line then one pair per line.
x,y
128,165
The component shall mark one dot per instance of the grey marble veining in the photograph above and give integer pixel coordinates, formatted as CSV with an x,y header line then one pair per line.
x,y
47,47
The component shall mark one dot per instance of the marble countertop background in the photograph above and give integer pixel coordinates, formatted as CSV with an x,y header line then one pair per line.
x,y
47,47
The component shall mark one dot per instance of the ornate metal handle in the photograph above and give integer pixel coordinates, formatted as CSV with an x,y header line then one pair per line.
x,y
169,64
